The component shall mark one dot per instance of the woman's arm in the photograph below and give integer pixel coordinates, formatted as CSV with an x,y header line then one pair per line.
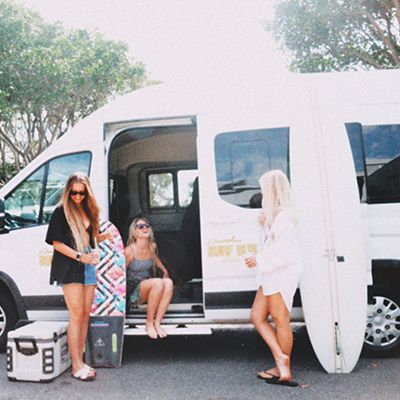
x,y
159,264
129,256
281,248
107,235
91,258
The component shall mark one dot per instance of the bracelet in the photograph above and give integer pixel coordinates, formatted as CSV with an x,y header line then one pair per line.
x,y
78,256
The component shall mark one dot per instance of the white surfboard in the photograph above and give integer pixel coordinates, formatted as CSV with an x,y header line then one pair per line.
x,y
333,285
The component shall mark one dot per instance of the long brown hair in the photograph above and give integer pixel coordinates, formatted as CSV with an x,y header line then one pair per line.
x,y
72,214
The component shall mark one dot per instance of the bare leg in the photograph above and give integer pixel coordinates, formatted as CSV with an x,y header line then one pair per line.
x,y
75,300
163,305
281,317
259,317
151,292
89,295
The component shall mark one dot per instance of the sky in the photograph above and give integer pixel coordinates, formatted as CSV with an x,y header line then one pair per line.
x,y
179,40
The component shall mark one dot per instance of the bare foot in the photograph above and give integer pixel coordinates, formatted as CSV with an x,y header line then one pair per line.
x,y
151,331
273,372
160,331
283,365
83,370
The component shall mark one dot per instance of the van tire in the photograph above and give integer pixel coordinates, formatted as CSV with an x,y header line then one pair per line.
x,y
8,319
382,334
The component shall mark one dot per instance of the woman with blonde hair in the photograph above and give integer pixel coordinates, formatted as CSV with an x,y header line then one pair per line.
x,y
73,232
141,261
279,267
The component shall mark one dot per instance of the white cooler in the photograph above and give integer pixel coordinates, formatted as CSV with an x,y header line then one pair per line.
x,y
38,352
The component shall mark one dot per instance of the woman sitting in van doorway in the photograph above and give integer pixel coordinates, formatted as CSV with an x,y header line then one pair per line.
x,y
279,267
141,261
73,232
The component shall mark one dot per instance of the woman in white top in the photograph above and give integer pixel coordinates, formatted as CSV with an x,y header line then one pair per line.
x,y
279,267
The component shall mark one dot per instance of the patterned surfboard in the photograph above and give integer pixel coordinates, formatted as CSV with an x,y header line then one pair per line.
x,y
106,325
109,299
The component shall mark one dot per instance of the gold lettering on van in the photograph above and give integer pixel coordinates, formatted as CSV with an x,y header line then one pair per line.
x,y
232,239
215,249
245,249
45,257
220,251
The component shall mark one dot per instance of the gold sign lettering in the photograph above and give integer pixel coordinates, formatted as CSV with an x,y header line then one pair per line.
x,y
215,249
45,257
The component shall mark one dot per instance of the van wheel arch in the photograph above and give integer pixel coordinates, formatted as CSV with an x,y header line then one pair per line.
x,y
12,307
8,317
382,335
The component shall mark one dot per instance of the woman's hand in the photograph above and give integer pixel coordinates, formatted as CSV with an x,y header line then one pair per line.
x,y
261,218
251,262
107,235
90,258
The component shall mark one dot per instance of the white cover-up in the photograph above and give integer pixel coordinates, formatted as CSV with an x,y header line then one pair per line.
x,y
279,263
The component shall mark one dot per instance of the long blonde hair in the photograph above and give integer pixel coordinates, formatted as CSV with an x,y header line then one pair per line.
x,y
275,189
72,214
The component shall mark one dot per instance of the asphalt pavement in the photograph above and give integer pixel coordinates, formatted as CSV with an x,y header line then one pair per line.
x,y
218,367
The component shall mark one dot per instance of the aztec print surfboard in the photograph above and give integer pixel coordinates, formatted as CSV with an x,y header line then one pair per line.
x,y
109,299
106,325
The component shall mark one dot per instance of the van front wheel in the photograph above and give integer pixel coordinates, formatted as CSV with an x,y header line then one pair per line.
x,y
8,319
382,334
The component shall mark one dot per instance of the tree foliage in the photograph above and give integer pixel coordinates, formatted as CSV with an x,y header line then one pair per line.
x,y
334,35
51,78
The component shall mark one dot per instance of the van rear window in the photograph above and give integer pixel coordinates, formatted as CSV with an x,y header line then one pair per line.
x,y
376,155
242,157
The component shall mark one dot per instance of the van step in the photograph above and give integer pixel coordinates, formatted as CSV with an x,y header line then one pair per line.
x,y
180,329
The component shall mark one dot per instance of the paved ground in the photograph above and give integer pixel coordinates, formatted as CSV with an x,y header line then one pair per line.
x,y
218,367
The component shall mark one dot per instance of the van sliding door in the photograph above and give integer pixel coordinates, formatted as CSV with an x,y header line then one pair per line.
x,y
233,153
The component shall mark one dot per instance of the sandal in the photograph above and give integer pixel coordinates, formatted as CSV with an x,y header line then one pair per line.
x,y
267,376
90,369
83,374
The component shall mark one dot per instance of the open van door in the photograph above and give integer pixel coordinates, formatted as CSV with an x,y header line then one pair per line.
x,y
374,134
233,152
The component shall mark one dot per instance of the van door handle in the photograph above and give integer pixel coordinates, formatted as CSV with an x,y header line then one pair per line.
x,y
224,220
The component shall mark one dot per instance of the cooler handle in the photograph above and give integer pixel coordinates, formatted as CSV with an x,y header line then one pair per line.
x,y
26,351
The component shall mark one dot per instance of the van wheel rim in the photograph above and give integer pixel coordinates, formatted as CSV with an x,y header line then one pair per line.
x,y
383,322
3,321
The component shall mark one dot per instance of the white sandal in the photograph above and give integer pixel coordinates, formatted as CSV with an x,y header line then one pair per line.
x,y
90,368
83,374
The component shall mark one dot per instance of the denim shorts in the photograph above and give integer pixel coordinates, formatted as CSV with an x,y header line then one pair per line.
x,y
90,275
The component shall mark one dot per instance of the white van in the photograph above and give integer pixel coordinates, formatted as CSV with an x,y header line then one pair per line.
x,y
189,159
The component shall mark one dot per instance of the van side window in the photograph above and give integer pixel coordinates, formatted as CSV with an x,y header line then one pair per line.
x,y
242,157
161,190
186,179
32,202
22,206
376,154
172,189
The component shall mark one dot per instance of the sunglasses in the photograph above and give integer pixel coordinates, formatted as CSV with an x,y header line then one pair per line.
x,y
75,193
142,226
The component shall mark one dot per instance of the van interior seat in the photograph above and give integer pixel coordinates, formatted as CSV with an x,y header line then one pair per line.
x,y
120,204
190,230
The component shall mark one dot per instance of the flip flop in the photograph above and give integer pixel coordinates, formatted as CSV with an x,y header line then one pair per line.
x,y
268,379
90,368
83,374
277,381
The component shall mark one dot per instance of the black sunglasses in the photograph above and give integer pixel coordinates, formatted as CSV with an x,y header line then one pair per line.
x,y
142,226
75,193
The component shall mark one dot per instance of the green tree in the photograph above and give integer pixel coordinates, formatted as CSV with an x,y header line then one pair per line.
x,y
337,35
51,78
